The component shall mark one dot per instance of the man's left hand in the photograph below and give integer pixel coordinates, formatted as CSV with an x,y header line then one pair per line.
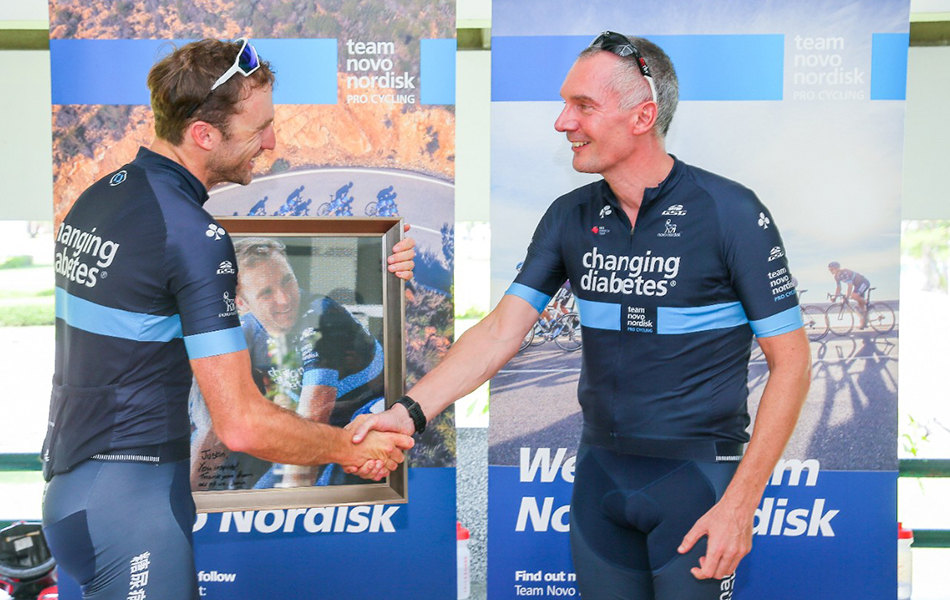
x,y
400,261
728,531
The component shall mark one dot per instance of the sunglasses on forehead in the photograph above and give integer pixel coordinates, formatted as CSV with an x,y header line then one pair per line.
x,y
620,45
245,63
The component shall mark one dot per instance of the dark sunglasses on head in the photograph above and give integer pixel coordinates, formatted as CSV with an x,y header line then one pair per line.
x,y
245,63
620,45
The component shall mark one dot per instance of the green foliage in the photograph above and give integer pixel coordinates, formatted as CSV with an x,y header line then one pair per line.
x,y
27,315
17,262
917,434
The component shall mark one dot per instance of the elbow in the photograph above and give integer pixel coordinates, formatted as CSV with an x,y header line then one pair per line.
x,y
238,436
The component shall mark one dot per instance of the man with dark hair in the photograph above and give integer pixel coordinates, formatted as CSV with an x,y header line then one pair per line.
x,y
142,302
669,298
313,357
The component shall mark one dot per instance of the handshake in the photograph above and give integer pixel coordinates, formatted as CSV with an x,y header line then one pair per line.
x,y
378,442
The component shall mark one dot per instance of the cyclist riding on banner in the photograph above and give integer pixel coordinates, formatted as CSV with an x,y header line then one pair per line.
x,y
858,286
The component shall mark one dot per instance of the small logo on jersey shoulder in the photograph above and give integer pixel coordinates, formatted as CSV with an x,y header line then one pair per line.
x,y
606,211
676,210
118,178
230,307
215,231
669,230
776,253
599,230
764,221
226,268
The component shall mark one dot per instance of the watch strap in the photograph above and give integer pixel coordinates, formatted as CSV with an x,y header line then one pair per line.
x,y
415,412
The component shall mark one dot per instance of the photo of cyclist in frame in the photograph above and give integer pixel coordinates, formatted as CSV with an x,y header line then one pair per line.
x,y
309,354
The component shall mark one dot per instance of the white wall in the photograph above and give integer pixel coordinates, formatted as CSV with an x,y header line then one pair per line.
x,y
926,134
26,170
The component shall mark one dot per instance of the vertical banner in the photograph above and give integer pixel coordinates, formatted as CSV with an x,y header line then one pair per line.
x,y
804,104
365,125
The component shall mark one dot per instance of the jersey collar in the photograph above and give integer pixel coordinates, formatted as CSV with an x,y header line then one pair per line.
x,y
147,158
650,195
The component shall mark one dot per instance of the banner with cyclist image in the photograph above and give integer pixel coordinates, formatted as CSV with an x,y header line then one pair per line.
x,y
804,104
365,126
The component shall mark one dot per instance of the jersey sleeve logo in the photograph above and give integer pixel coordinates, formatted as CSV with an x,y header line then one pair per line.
x,y
230,307
118,178
776,253
226,268
764,221
215,231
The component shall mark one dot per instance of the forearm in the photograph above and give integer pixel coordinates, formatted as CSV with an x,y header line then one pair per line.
x,y
280,435
779,408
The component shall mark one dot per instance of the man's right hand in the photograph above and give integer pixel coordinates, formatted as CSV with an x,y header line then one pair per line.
x,y
396,419
378,455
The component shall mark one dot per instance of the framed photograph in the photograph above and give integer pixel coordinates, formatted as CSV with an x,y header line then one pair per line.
x,y
324,322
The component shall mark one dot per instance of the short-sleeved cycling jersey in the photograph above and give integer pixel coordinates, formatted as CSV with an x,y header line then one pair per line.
x,y
145,280
668,309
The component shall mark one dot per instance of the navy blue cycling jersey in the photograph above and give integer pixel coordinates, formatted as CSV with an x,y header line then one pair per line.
x,y
145,280
668,308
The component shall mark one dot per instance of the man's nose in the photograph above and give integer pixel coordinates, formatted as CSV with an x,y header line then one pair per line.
x,y
565,121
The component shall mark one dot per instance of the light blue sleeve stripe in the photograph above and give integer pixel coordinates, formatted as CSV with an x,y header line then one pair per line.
x,y
322,377
533,297
783,322
114,322
673,321
599,315
351,382
213,343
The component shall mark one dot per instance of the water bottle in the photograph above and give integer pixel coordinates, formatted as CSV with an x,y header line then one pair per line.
x,y
905,562
464,562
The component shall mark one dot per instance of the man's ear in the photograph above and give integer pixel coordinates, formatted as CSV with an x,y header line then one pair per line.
x,y
203,134
643,118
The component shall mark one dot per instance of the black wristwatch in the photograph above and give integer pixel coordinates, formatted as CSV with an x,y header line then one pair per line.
x,y
415,412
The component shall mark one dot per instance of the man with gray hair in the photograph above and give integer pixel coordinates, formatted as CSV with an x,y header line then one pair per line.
x,y
674,270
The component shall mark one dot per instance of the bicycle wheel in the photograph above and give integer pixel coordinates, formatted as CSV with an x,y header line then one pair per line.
x,y
540,333
881,318
370,209
528,338
323,210
815,320
569,336
840,319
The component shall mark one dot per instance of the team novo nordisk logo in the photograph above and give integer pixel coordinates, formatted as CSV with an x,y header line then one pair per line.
x,y
764,221
606,211
230,308
226,268
215,231
118,178
676,210
669,229
776,253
